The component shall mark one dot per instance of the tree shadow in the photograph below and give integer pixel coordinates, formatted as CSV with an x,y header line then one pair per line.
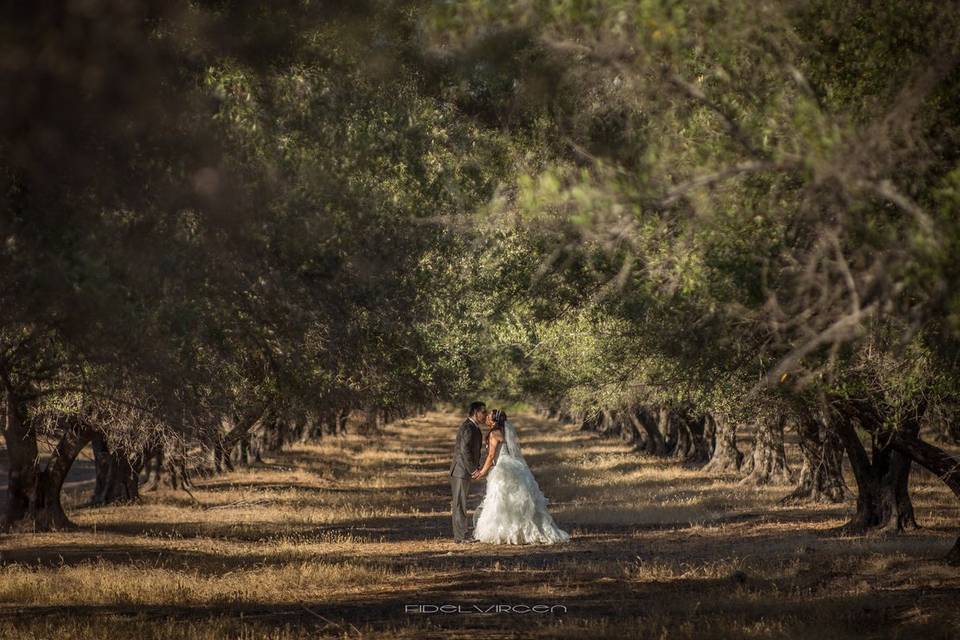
x,y
729,602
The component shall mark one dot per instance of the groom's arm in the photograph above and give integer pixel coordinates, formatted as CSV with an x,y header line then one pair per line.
x,y
491,452
463,446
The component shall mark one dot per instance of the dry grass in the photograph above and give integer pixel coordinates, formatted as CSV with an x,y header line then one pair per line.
x,y
333,540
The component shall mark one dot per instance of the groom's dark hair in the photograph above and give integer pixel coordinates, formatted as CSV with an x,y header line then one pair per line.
x,y
475,406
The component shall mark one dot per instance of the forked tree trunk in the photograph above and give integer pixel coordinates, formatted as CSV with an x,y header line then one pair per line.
x,y
883,499
726,456
33,494
821,477
767,462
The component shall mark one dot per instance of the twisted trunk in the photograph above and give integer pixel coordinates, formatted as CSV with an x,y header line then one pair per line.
x,y
726,456
767,463
654,443
691,445
883,499
821,477
33,494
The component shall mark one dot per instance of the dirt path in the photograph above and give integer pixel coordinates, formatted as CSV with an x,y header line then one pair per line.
x,y
351,538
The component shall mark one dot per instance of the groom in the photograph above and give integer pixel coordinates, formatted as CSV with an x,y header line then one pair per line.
x,y
466,460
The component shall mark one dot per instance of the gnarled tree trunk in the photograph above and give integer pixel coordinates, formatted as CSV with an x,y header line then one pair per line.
x,y
654,443
726,456
883,500
691,445
821,477
767,462
33,494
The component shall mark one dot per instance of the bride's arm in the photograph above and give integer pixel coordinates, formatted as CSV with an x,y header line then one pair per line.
x,y
496,438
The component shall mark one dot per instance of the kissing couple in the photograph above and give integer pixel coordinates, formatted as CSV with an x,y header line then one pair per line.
x,y
514,509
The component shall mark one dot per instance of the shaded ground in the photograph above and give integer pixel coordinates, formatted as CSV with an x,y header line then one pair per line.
x,y
346,537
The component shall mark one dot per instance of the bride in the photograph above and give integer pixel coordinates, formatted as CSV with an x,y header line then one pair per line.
x,y
514,510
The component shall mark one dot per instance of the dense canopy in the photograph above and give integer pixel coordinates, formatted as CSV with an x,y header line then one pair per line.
x,y
233,222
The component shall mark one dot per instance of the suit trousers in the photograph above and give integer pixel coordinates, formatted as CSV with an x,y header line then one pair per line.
x,y
460,487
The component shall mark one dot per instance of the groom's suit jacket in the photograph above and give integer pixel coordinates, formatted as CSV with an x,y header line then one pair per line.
x,y
466,452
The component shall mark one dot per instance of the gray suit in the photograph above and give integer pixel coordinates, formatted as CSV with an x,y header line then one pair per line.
x,y
466,459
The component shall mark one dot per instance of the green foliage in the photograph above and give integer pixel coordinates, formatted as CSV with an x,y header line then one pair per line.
x,y
306,206
779,197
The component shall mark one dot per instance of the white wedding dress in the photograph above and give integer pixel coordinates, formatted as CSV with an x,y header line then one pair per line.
x,y
514,510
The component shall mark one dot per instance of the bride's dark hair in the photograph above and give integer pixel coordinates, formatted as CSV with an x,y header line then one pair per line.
x,y
499,418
